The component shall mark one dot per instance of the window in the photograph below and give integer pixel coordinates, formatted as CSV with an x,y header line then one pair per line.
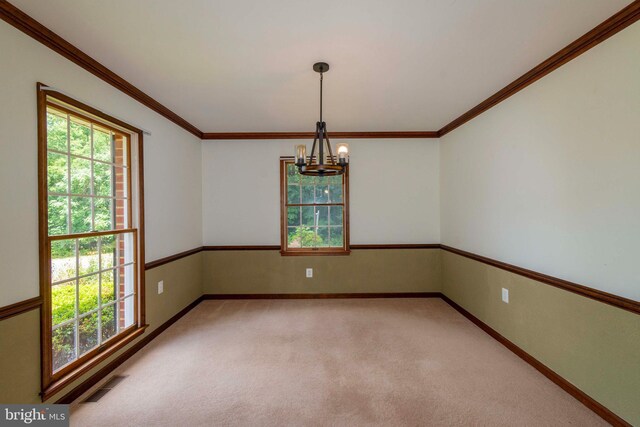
x,y
90,263
314,212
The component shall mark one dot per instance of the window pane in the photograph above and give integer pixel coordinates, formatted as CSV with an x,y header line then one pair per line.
x,y
80,176
103,211
102,146
63,345
80,139
63,259
335,180
301,237
324,180
308,216
88,292
293,237
308,193
121,210
56,132
88,255
307,179
322,194
126,248
323,237
81,214
120,280
102,179
337,238
120,180
107,252
88,333
57,173
309,237
293,194
335,193
120,150
293,216
108,287
322,213
109,322
63,302
128,312
335,215
293,177
127,280
58,215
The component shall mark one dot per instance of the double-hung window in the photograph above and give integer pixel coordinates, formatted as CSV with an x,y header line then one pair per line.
x,y
314,212
90,273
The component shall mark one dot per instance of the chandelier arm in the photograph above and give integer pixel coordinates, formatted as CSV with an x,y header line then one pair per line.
x,y
320,160
326,135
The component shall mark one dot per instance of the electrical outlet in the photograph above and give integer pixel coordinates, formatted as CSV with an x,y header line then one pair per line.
x,y
309,273
160,286
505,295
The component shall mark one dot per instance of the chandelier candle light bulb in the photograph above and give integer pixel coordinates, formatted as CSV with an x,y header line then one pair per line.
x,y
301,154
343,153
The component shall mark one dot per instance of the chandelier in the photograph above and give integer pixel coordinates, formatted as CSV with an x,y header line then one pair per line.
x,y
323,163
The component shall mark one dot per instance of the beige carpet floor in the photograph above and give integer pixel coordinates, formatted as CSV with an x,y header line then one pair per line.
x,y
413,362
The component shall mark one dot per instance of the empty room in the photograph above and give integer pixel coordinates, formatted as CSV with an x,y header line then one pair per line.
x,y
336,213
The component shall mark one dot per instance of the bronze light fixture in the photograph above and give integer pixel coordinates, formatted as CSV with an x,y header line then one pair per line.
x,y
321,165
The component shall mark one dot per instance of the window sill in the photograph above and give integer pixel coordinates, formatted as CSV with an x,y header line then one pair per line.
x,y
315,252
57,385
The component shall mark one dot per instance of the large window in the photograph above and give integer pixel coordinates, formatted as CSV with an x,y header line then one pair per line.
x,y
314,211
90,271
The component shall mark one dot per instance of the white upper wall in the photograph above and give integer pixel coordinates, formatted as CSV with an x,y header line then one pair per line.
x,y
172,161
393,186
549,179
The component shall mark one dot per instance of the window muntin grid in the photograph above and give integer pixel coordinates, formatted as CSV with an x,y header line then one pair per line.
x,y
81,188
100,295
88,183
314,210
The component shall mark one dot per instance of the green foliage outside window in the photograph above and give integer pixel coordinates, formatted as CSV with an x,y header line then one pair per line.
x,y
304,237
314,210
78,182
84,188
63,299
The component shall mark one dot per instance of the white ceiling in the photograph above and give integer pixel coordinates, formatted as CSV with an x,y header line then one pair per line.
x,y
245,66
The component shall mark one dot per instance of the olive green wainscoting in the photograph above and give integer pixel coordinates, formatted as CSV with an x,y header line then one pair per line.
x,y
20,358
593,345
363,271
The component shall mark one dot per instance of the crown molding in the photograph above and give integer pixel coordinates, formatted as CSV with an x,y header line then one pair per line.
x,y
23,22
608,28
257,135
309,135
